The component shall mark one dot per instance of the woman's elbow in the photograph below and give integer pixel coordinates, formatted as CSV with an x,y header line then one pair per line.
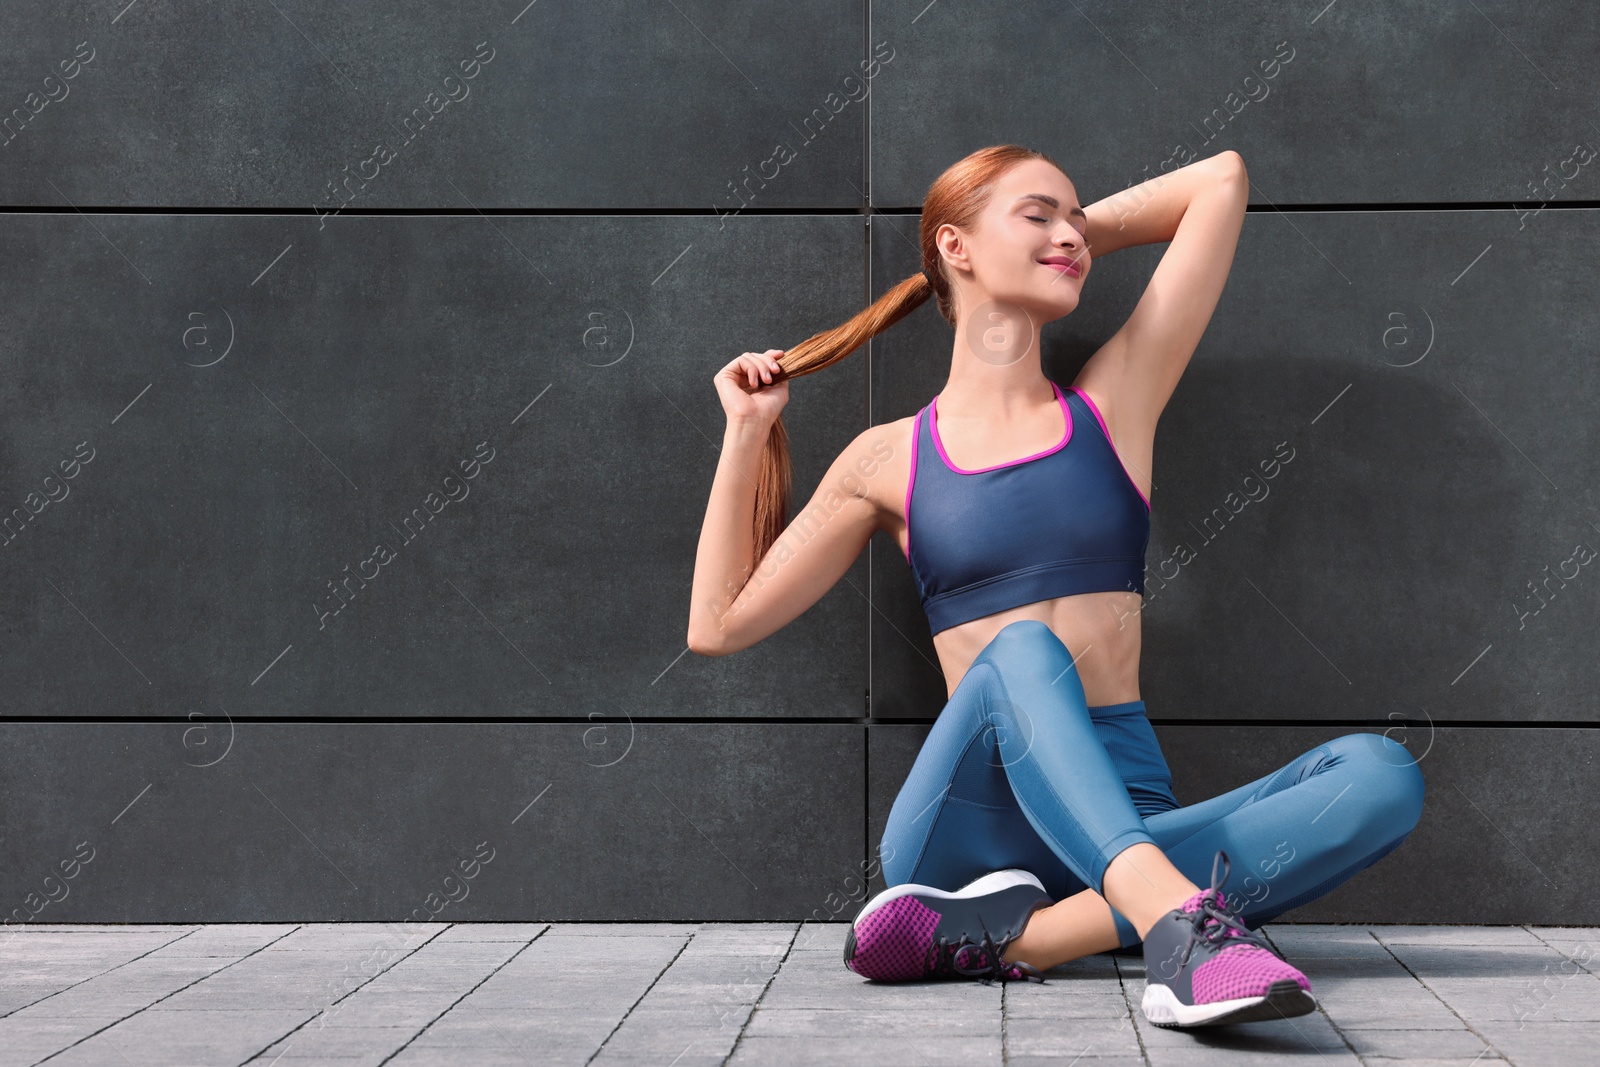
x,y
1232,164
711,639
704,644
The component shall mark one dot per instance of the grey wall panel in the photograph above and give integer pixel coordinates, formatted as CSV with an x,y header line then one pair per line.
x,y
275,404
363,821
1503,838
1421,100
891,750
343,106
907,679
1426,375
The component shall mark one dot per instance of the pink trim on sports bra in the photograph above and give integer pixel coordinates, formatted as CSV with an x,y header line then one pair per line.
x,y
916,432
1085,397
1066,414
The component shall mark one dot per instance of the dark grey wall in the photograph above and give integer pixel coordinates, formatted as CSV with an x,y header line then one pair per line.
x,y
227,385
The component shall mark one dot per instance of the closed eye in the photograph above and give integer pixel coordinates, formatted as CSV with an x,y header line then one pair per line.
x,y
1035,218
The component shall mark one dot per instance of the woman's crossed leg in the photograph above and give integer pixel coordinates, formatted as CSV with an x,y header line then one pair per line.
x,y
1013,775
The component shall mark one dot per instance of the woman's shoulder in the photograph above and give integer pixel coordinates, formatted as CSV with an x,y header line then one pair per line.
x,y
876,464
880,456
887,442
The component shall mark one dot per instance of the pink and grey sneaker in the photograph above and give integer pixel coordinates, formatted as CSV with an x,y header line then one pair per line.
x,y
913,931
1204,966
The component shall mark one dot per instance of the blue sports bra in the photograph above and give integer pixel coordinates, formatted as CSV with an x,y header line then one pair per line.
x,y
1062,521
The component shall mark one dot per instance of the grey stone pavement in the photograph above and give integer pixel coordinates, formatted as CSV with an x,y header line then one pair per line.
x,y
687,995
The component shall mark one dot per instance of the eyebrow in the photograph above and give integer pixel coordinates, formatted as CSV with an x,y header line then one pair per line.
x,y
1052,201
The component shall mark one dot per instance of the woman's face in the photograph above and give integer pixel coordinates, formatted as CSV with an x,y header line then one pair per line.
x,y
1028,249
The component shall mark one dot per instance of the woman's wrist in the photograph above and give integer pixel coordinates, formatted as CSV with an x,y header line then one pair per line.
x,y
746,431
1100,230
1149,212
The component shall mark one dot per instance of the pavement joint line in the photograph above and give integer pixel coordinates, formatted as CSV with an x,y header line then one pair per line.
x,y
1127,1003
1005,1051
158,1000
307,1022
1583,964
451,1007
1321,1008
787,951
92,977
640,999
1447,1005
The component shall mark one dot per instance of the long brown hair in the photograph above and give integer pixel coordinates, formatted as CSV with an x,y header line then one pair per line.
x,y
956,197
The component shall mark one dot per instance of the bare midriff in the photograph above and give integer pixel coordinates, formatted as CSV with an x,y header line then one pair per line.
x,y
1101,630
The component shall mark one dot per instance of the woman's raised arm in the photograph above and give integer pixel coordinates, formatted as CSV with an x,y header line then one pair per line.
x,y
1200,209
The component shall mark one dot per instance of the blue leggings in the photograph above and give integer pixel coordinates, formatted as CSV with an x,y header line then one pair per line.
x,y
1018,771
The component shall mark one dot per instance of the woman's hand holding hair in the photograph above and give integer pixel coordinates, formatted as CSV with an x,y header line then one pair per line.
x,y
753,388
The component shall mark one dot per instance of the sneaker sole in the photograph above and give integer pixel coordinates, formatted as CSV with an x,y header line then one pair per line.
x,y
1283,999
911,921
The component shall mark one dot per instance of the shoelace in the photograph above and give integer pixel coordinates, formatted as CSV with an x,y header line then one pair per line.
x,y
989,965
1216,923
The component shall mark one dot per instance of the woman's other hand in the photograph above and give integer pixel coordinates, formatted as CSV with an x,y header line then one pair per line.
x,y
753,387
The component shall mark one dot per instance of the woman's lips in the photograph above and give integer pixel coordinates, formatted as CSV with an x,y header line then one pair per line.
x,y
1065,268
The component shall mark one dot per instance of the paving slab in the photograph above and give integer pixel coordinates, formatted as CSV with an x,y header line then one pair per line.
x,y
614,930
102,928
227,940
1497,962
1551,1042
875,1024
1454,935
339,1043
1094,1037
28,1040
1062,1004
1087,1057
325,937
166,1039
132,987
1488,1058
1413,1044
492,932
1325,942
858,1052
545,1056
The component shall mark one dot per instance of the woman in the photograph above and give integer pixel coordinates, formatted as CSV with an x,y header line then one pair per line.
x,y
1038,824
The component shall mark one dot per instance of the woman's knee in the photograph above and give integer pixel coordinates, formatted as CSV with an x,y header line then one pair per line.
x,y
1026,644
1023,632
1023,670
1390,783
